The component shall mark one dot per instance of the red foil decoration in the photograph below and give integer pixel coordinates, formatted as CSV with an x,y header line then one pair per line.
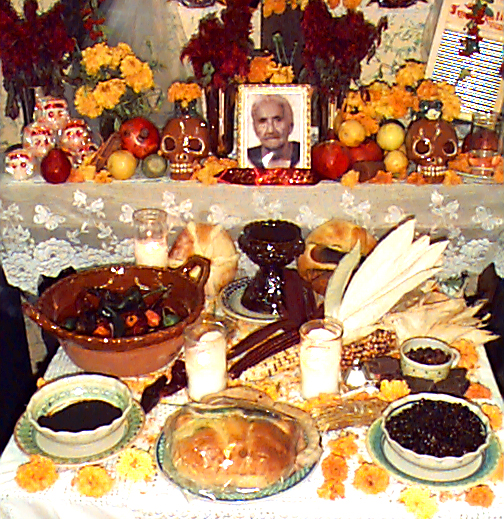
x,y
269,177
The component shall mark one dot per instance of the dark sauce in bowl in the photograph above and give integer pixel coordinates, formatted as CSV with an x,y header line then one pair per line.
x,y
85,415
428,356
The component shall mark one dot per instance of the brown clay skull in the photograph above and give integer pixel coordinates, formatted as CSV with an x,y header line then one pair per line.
x,y
184,141
430,144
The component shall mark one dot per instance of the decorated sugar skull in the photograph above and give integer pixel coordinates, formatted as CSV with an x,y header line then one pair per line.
x,y
20,163
430,144
39,138
184,142
52,111
75,135
80,153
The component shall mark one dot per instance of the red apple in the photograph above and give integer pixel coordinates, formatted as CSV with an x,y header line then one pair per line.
x,y
366,151
55,167
330,159
140,137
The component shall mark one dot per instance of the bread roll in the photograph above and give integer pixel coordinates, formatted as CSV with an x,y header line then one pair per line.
x,y
233,450
212,242
326,245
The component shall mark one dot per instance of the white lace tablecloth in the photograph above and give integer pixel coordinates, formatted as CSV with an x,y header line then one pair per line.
x,y
45,228
162,499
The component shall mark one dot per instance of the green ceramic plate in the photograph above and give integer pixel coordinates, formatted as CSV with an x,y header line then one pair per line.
x,y
375,445
169,471
30,441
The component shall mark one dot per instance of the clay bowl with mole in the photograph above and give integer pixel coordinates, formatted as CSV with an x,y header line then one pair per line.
x,y
77,410
130,355
437,434
428,358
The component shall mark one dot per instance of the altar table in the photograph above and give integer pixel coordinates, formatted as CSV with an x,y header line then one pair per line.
x,y
46,228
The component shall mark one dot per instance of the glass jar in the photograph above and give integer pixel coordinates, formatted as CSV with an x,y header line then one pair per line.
x,y
484,142
151,237
205,347
320,357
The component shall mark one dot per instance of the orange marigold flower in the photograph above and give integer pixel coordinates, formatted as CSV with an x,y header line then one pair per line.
x,y
410,74
477,390
350,178
371,479
93,481
468,353
481,495
36,475
261,69
391,390
351,4
332,4
452,178
345,445
494,415
273,7
334,468
331,490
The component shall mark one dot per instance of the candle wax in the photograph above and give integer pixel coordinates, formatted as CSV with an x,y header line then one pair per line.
x,y
153,253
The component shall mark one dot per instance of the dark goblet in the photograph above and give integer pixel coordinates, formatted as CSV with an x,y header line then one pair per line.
x,y
272,245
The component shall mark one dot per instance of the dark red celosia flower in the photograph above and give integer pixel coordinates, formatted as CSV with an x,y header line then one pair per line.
x,y
222,42
336,46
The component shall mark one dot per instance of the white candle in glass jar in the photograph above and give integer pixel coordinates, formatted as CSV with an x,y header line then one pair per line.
x,y
153,253
320,357
205,359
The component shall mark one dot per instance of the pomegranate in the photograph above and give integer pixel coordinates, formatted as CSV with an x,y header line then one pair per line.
x,y
55,167
367,150
330,159
140,137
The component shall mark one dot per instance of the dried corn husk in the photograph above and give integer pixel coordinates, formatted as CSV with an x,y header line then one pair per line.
x,y
396,266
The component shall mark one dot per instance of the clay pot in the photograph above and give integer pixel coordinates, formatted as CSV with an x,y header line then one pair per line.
x,y
125,356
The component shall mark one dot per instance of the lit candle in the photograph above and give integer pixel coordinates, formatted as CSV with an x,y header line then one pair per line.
x,y
205,359
153,253
320,357
151,232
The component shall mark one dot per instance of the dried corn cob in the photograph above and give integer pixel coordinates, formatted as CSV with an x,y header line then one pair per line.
x,y
283,361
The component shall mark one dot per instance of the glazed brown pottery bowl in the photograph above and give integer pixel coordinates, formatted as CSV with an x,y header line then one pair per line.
x,y
123,356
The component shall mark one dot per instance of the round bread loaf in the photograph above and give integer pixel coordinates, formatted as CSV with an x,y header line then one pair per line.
x,y
212,242
326,245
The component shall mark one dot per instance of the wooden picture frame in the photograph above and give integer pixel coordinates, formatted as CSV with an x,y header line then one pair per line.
x,y
274,126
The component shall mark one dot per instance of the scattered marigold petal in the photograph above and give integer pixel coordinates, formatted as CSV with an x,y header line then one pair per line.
x,y
135,464
494,415
477,390
334,468
38,474
391,390
350,178
93,481
331,490
419,502
371,479
481,495
345,445
498,473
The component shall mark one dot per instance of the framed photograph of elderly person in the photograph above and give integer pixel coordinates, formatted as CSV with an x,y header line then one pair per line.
x,y
274,126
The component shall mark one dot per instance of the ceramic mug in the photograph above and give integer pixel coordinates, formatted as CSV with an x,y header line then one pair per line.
x,y
434,372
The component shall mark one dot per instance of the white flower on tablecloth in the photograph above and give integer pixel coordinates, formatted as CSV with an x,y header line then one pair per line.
x,y
439,208
15,235
394,214
105,231
462,256
126,215
95,208
357,212
485,218
271,210
178,214
217,216
307,218
44,216
12,213
24,269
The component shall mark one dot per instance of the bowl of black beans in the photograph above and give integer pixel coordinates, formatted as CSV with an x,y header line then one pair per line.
x,y
437,432
428,358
